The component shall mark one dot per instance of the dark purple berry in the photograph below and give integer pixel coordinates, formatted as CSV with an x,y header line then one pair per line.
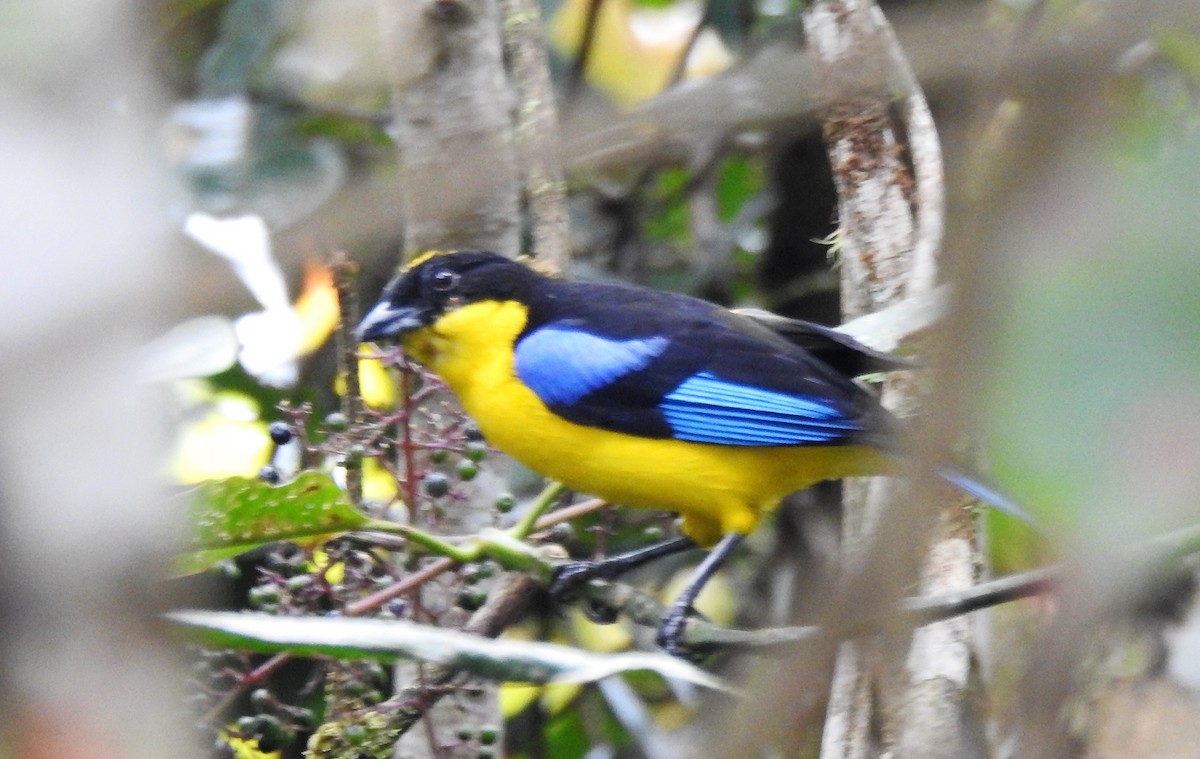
x,y
281,433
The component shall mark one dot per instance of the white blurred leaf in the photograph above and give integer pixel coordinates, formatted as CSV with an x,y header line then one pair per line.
x,y
199,347
245,242
271,342
388,640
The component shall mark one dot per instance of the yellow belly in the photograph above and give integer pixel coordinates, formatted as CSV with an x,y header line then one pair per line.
x,y
718,489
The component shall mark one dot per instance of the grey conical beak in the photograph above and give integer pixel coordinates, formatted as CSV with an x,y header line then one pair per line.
x,y
388,321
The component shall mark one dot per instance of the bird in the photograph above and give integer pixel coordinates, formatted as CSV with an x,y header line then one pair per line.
x,y
648,398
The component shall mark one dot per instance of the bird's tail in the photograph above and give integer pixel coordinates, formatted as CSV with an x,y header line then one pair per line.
x,y
975,485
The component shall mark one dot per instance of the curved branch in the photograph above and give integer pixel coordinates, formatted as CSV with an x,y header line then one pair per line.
x,y
925,150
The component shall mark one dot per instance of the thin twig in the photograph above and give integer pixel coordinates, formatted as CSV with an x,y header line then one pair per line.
x,y
344,275
571,512
644,610
680,69
407,585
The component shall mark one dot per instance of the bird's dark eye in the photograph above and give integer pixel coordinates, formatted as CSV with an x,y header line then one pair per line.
x,y
443,280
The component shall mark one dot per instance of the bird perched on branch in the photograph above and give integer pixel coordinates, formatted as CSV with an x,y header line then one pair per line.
x,y
646,398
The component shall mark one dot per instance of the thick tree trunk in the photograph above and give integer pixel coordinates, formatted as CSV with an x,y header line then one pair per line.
x,y
453,125
460,189
891,218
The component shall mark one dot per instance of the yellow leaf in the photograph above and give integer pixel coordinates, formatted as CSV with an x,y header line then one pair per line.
x,y
515,698
635,49
603,638
559,696
376,383
247,749
218,446
378,483
334,573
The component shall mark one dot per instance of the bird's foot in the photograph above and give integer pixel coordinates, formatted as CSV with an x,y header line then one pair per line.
x,y
569,579
670,634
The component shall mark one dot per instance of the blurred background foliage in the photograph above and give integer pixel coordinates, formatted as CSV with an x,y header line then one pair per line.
x,y
1086,281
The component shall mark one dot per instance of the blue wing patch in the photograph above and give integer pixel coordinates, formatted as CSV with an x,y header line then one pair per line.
x,y
563,365
707,409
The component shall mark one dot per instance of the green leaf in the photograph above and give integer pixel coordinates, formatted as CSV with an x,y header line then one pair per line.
x,y
390,640
228,517
739,180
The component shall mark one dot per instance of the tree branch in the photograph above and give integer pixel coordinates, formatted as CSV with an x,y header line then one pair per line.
x,y
642,609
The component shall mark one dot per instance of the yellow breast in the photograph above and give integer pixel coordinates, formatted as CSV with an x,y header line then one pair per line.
x,y
717,489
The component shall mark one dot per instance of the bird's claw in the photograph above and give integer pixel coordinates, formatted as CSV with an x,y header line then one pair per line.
x,y
670,635
570,578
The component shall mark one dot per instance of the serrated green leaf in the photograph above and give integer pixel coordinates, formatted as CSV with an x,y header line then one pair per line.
x,y
390,640
230,516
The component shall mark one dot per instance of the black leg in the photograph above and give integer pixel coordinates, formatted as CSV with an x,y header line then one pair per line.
x,y
670,631
569,577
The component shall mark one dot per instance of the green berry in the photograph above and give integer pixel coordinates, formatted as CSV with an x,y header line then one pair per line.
x,y
470,573
269,744
354,456
303,717
475,572
436,484
286,559
467,470
562,533
272,733
228,569
261,699
247,725
505,503
471,599
488,734
260,595
298,583
438,455
477,450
